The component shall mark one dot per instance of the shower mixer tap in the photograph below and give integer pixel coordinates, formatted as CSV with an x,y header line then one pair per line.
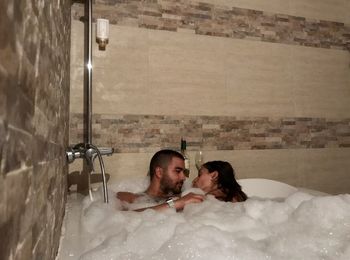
x,y
89,152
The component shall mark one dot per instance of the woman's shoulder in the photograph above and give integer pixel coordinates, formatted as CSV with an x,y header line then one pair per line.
x,y
218,194
239,197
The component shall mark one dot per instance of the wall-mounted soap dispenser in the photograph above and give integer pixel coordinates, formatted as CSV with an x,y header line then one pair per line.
x,y
102,33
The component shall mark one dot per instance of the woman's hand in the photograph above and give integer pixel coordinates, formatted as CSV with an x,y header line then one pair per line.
x,y
187,199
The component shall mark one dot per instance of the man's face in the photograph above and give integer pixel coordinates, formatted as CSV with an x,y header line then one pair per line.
x,y
173,177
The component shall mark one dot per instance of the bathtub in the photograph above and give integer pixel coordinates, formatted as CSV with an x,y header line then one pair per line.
x,y
278,221
271,189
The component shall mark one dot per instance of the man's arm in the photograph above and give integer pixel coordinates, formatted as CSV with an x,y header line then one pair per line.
x,y
179,204
127,196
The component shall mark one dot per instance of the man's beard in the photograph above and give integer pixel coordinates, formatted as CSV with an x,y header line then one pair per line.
x,y
168,187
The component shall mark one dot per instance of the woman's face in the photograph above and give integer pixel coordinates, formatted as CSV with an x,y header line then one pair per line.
x,y
204,180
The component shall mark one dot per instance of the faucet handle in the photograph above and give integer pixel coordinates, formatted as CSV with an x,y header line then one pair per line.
x,y
106,150
91,154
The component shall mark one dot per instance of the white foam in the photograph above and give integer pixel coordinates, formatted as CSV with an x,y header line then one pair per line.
x,y
193,190
131,184
301,227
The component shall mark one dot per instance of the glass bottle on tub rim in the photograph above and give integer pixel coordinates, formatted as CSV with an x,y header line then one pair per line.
x,y
185,155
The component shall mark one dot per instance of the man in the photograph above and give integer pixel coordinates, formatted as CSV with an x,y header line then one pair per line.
x,y
167,176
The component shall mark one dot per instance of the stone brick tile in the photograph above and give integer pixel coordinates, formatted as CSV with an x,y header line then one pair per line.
x,y
222,21
135,133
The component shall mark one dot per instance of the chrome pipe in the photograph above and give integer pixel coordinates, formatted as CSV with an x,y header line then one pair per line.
x,y
88,72
102,167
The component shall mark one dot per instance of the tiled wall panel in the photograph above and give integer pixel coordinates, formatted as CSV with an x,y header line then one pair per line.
x,y
158,72
145,133
329,10
34,125
224,21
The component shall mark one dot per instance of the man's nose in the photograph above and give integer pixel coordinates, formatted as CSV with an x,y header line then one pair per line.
x,y
183,176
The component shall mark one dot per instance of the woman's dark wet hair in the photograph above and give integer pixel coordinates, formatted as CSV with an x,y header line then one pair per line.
x,y
162,159
226,180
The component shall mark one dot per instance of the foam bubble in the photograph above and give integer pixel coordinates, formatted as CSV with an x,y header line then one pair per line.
x,y
193,190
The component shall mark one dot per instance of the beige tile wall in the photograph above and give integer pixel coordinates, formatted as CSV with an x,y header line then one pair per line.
x,y
160,72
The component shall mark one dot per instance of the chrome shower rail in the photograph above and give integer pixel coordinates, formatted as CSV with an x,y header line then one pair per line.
x,y
88,72
87,150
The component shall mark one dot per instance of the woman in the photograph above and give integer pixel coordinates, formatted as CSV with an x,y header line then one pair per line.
x,y
218,178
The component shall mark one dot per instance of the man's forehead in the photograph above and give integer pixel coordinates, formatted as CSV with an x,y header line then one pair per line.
x,y
178,162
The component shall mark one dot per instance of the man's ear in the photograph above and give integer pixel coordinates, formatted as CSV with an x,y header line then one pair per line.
x,y
214,175
159,172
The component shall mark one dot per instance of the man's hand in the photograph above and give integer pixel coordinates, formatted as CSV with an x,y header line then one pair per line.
x,y
179,203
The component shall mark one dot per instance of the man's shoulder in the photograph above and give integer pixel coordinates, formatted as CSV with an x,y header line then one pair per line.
x,y
127,196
